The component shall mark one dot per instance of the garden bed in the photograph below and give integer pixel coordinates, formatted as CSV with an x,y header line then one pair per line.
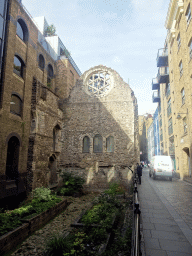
x,y
17,235
39,220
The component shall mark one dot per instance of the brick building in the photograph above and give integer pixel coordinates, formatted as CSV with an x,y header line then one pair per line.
x,y
100,128
33,79
173,87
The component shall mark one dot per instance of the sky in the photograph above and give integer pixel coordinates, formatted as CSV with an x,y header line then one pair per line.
x,y
124,35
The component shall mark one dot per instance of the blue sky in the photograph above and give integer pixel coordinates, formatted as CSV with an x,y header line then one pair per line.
x,y
123,35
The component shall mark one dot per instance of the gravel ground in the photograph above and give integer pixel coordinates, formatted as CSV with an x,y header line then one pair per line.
x,y
35,244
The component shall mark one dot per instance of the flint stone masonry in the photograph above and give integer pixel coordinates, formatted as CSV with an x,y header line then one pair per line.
x,y
112,113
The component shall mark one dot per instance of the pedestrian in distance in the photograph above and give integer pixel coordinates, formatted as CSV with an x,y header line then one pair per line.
x,y
139,172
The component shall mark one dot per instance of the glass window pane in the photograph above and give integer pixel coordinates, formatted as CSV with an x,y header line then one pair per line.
x,y
41,62
2,6
110,144
16,105
18,67
1,27
20,32
98,144
86,144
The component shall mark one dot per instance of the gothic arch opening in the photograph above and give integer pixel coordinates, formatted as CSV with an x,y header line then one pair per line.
x,y
12,162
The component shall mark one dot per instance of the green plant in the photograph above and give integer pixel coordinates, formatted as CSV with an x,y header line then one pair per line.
x,y
72,184
8,222
23,211
57,245
42,194
50,31
40,206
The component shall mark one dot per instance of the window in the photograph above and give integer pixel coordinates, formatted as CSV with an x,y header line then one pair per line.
x,y
181,68
170,126
169,107
41,62
178,41
16,105
49,75
188,14
97,144
161,134
183,96
190,49
86,144
160,122
110,144
22,30
167,89
185,124
18,66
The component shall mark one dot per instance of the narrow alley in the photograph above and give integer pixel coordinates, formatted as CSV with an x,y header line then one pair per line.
x,y
166,214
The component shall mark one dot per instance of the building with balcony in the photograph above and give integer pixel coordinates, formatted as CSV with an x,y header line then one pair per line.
x,y
174,76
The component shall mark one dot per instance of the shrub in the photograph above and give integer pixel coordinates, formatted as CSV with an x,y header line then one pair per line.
x,y
8,222
39,206
72,184
42,194
23,211
57,245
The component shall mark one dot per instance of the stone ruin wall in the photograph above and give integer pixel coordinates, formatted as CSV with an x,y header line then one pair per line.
x,y
111,115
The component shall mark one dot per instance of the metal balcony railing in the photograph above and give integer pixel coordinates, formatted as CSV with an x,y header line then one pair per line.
x,y
155,97
155,84
162,57
163,75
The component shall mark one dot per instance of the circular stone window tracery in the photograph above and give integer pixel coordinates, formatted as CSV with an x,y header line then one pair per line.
x,y
99,83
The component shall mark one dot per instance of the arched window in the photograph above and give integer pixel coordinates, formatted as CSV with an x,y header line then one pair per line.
x,y
12,172
49,75
18,66
41,62
22,30
110,144
97,144
16,105
86,144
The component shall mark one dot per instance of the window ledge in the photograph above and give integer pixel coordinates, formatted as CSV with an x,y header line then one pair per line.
x,y
18,77
15,117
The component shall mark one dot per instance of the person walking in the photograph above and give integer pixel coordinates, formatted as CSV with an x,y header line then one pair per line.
x,y
139,172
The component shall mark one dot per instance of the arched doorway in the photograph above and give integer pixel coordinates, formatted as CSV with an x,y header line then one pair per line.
x,y
12,172
187,162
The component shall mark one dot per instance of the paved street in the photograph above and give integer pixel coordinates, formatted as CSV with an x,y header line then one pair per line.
x,y
166,210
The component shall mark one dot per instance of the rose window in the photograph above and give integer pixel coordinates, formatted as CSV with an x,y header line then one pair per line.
x,y
99,83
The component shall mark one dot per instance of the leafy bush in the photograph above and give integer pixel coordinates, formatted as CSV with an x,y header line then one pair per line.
x,y
72,184
8,222
42,194
39,206
23,211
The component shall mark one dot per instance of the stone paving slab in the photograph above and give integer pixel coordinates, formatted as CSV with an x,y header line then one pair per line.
x,y
164,231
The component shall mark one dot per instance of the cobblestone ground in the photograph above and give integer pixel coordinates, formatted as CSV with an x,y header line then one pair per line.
x,y
179,195
35,244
